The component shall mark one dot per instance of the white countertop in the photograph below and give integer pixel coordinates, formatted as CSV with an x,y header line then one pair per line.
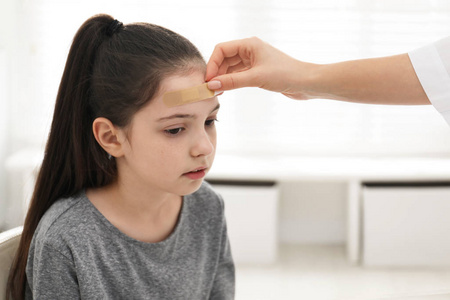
x,y
330,168
232,167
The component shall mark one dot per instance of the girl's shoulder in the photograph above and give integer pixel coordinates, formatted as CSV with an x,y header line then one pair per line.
x,y
63,220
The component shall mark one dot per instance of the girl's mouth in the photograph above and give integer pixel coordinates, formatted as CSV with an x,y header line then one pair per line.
x,y
196,174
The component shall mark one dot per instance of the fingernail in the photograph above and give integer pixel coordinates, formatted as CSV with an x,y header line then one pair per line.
x,y
214,85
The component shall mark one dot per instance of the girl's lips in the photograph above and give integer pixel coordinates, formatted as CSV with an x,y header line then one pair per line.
x,y
195,175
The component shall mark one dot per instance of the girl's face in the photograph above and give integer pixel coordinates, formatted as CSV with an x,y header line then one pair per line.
x,y
170,150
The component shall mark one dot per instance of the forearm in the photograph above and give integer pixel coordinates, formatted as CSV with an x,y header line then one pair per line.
x,y
386,80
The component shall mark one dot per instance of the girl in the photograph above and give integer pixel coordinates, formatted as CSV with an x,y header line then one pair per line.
x,y
119,209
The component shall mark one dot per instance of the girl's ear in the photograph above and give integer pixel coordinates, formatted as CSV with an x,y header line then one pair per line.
x,y
108,136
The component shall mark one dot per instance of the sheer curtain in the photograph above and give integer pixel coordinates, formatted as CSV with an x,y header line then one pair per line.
x,y
254,121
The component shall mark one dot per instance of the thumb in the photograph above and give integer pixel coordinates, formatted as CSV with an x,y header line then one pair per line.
x,y
233,81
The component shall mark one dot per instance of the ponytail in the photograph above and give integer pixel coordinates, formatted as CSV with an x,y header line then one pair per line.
x,y
112,71
65,169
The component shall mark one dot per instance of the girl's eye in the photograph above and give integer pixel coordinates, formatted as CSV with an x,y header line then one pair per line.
x,y
210,122
174,131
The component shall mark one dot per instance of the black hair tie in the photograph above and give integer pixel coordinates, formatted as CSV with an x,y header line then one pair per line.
x,y
113,27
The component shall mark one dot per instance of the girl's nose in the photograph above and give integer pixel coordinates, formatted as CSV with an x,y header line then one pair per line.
x,y
203,145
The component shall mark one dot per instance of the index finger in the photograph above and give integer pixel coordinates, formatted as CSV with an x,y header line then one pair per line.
x,y
221,51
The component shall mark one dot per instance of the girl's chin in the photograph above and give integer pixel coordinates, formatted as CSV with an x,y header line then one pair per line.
x,y
192,187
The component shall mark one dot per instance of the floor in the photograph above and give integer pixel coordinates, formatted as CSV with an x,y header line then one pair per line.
x,y
322,272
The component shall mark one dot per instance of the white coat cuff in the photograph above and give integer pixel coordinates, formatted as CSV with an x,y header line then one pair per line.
x,y
432,73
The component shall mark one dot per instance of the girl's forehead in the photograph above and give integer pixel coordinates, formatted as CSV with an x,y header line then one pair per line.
x,y
157,108
179,82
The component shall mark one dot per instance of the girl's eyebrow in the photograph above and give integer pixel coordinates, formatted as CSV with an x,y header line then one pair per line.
x,y
215,108
176,116
184,116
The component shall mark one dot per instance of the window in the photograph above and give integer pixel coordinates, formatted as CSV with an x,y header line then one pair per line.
x,y
254,121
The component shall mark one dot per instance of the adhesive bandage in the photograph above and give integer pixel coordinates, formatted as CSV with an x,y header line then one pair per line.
x,y
194,94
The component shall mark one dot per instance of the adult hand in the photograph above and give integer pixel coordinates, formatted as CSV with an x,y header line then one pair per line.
x,y
253,63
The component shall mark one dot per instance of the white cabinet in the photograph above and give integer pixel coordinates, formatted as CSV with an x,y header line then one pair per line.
x,y
251,209
406,225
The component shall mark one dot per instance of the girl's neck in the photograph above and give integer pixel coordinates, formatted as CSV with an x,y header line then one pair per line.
x,y
142,214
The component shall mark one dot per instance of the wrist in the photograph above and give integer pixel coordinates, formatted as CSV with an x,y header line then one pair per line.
x,y
309,81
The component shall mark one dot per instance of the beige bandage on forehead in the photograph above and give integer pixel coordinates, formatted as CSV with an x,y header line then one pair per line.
x,y
193,94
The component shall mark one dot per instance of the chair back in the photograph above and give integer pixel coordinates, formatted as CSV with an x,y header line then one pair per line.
x,y
9,242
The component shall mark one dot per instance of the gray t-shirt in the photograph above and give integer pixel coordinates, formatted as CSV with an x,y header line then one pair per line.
x,y
77,253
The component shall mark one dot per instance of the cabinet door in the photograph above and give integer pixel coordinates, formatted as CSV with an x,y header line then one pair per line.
x,y
406,226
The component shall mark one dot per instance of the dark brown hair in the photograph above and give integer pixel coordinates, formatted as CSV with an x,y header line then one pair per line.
x,y
112,71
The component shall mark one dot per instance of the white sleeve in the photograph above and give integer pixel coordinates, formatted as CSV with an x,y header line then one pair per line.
x,y
432,66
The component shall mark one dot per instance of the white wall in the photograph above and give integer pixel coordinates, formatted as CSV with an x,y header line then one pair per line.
x,y
8,13
3,129
20,111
